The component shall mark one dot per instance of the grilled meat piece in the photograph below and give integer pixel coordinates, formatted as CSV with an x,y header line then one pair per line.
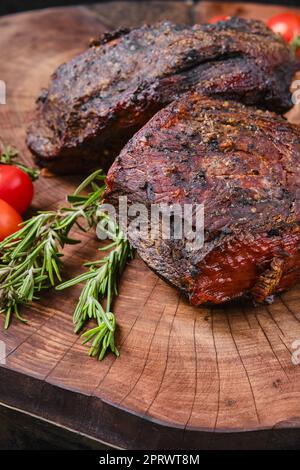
x,y
243,165
98,100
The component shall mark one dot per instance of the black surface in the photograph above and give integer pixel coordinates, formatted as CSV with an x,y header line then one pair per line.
x,y
19,430
13,6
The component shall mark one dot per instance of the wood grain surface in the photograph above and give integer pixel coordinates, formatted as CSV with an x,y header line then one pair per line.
x,y
187,378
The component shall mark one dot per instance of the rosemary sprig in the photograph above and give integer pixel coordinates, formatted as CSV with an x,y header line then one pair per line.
x,y
101,282
8,156
31,258
295,44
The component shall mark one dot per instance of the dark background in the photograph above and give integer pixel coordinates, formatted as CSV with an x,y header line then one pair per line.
x,y
13,6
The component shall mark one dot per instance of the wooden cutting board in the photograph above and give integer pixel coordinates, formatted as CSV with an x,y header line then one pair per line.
x,y
187,378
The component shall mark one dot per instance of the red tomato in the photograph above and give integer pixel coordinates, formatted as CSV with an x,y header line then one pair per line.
x,y
16,187
9,220
285,24
217,18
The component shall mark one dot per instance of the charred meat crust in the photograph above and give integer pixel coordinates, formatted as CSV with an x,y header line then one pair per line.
x,y
99,99
243,165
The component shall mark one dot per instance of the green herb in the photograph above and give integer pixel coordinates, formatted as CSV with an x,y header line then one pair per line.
x,y
31,258
9,155
296,44
101,283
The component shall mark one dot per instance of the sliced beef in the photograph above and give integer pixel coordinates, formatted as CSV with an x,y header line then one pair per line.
x,y
243,165
98,100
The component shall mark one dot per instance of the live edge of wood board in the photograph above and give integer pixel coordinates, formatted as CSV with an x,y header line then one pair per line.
x,y
187,378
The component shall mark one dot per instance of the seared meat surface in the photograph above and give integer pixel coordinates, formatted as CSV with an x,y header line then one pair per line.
x,y
98,100
243,165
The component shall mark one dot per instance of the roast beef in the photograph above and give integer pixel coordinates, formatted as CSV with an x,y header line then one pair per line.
x,y
243,165
98,100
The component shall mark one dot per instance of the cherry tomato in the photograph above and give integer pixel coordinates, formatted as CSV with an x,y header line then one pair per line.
x,y
286,24
16,188
217,18
9,220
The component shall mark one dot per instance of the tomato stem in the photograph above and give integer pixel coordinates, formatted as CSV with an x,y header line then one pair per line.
x,y
9,155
